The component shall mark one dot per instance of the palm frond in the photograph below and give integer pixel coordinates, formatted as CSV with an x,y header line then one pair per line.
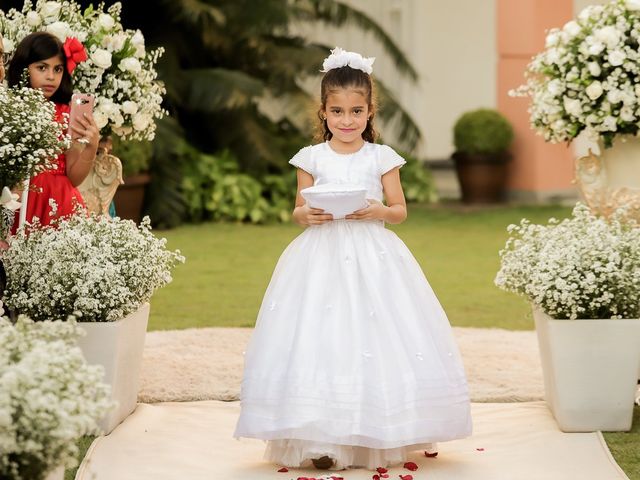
x,y
397,118
337,14
233,89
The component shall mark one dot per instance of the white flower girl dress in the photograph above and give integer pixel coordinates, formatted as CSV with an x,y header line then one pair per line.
x,y
352,356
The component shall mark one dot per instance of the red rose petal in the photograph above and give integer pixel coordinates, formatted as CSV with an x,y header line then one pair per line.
x,y
384,475
431,455
381,470
376,477
406,477
411,466
283,469
337,478
480,449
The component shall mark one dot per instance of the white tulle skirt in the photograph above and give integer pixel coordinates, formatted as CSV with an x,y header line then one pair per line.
x,y
352,355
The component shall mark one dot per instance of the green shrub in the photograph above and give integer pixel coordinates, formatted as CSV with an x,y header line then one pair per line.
x,y
215,189
482,131
135,155
417,181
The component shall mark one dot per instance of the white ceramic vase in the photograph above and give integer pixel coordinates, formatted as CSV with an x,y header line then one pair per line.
x,y
118,347
590,370
609,178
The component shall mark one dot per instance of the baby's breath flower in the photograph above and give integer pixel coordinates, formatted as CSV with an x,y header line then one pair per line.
x,y
49,397
96,268
585,266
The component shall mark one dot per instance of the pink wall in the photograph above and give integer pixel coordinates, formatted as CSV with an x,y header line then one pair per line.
x,y
539,169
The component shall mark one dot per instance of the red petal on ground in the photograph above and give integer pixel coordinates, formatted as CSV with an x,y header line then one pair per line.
x,y
337,478
406,477
431,455
384,475
381,470
411,466
283,469
376,477
480,449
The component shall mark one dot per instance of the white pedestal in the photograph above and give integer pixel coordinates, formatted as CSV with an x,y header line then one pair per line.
x,y
590,370
118,347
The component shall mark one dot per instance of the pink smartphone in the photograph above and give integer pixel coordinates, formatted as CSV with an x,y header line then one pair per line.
x,y
80,103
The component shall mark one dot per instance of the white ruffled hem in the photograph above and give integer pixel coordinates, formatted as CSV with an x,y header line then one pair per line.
x,y
298,454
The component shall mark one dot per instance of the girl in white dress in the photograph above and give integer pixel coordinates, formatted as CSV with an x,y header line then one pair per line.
x,y
352,361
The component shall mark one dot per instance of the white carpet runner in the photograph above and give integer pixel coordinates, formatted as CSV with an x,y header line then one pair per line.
x,y
192,441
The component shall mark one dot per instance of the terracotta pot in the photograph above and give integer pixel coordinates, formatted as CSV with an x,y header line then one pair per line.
x,y
482,177
129,197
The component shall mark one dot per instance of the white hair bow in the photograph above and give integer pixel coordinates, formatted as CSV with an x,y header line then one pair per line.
x,y
342,58
9,200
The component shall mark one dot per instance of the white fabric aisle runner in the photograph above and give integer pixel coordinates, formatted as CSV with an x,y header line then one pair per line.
x,y
192,441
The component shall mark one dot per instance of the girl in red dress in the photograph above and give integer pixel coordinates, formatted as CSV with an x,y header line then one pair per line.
x,y
49,63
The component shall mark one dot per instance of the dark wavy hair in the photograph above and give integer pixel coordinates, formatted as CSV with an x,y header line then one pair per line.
x,y
36,47
347,77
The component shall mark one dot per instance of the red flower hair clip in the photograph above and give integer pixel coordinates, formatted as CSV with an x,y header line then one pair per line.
x,y
75,53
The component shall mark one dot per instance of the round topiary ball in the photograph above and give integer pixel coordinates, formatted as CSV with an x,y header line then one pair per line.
x,y
483,131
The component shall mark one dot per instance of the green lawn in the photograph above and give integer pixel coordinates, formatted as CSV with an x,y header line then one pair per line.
x,y
229,266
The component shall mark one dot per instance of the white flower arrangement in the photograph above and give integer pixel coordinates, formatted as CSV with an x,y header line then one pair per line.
x,y
49,397
30,138
588,76
119,69
96,268
582,267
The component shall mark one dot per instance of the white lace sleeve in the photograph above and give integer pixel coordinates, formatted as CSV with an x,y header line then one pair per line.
x,y
388,159
303,160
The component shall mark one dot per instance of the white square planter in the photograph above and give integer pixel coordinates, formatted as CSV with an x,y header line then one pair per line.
x,y
590,370
118,347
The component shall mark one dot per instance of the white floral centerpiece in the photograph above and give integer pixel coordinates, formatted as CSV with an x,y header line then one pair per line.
x,y
49,397
96,268
585,266
588,76
119,71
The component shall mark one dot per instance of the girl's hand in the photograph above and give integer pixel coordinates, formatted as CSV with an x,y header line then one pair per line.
x,y
87,129
312,216
375,211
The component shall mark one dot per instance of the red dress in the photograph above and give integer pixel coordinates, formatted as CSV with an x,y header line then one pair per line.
x,y
52,184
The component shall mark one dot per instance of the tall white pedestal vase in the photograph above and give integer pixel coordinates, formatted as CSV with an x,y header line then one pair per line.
x,y
118,347
609,178
590,370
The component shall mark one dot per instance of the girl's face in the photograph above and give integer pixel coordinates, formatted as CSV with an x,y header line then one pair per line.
x,y
347,113
46,75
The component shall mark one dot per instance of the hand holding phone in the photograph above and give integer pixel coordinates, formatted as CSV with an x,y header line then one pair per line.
x,y
81,104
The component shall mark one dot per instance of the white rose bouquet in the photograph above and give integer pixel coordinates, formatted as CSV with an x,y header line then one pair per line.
x,y
49,397
582,267
588,76
119,71
96,268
